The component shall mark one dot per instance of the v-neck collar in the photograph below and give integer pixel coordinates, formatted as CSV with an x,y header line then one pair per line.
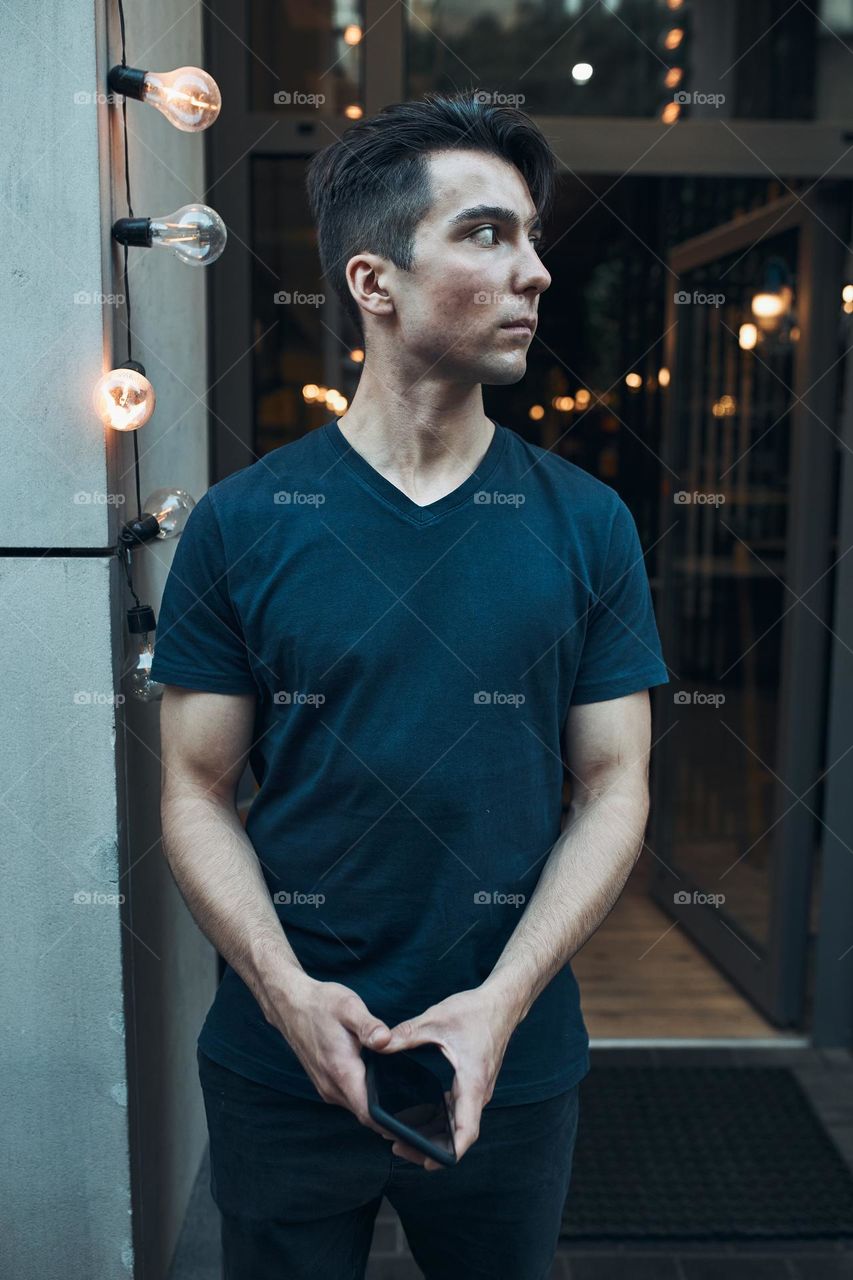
x,y
403,503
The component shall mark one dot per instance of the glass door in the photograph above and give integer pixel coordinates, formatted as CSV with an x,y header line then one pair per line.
x,y
745,554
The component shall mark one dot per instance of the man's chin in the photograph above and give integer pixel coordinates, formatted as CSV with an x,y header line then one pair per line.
x,y
501,372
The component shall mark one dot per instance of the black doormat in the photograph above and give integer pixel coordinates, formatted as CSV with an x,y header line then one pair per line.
x,y
703,1153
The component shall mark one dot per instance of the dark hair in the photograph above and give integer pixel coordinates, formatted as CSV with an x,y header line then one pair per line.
x,y
369,190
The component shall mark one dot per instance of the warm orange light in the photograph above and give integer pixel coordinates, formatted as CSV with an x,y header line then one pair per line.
x,y
353,34
582,398
353,112
663,376
673,38
124,399
673,77
724,407
310,391
633,380
357,355
536,412
747,336
670,113
768,306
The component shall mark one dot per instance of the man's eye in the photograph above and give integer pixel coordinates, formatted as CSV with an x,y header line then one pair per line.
x,y
538,240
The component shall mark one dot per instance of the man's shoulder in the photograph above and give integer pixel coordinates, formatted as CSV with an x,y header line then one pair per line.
x,y
562,480
265,481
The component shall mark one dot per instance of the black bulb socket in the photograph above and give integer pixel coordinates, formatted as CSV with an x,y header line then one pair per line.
x,y
141,530
133,231
141,618
128,81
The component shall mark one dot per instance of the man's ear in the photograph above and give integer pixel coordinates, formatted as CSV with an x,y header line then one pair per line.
x,y
367,276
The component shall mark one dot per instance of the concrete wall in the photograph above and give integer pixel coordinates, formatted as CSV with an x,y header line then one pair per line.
x,y
100,1001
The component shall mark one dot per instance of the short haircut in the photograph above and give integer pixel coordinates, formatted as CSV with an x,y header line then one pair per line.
x,y
369,190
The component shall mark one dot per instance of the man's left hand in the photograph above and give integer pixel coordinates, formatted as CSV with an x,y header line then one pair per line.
x,y
472,1029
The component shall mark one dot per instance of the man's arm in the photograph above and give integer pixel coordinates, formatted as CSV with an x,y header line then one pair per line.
x,y
205,741
607,745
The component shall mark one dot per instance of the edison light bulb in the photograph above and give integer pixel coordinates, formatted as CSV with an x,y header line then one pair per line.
x,y
141,624
195,232
189,98
170,508
124,399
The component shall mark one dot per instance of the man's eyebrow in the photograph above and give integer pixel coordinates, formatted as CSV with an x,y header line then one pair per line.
x,y
497,213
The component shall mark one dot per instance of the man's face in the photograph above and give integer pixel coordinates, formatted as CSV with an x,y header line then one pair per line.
x,y
473,272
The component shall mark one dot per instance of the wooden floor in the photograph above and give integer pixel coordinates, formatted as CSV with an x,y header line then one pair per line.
x,y
641,977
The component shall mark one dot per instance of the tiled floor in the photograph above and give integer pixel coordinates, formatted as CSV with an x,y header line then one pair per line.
x,y
827,1076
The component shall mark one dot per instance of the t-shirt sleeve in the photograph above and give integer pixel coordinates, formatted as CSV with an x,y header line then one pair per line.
x,y
199,641
622,650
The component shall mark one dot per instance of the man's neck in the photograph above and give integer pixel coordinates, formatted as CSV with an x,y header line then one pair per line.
x,y
426,452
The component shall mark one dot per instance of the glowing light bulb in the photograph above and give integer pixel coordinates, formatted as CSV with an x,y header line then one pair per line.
x,y
124,399
195,232
188,97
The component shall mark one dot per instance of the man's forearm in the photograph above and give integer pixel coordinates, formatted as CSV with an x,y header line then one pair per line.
x,y
583,877
219,876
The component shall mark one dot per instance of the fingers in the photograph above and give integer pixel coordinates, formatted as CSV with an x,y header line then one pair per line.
x,y
465,1108
365,1025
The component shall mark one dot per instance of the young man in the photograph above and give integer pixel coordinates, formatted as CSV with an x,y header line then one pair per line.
x,y
402,619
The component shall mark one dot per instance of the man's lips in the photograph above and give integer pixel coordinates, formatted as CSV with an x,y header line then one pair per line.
x,y
530,325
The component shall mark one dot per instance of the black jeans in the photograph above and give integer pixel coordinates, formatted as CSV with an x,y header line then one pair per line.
x,y
298,1183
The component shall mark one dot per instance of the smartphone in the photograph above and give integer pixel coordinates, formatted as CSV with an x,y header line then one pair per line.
x,y
408,1099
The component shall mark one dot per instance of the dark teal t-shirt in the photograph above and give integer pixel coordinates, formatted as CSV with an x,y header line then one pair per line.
x,y
414,668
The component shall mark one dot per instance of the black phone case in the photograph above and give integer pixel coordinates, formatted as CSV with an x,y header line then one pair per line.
x,y
402,1080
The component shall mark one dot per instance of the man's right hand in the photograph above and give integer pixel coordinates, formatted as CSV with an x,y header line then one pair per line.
x,y
326,1024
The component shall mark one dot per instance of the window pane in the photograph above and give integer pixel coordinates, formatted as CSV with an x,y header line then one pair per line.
x,y
307,55
300,333
767,59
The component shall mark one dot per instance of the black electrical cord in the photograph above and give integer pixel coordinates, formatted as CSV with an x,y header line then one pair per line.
x,y
127,311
